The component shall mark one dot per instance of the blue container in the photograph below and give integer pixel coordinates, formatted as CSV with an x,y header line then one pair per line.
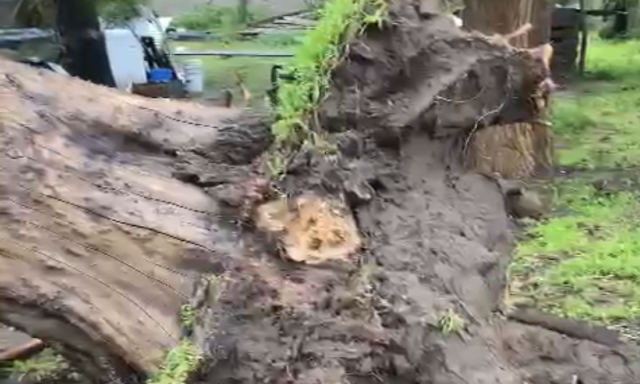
x,y
160,75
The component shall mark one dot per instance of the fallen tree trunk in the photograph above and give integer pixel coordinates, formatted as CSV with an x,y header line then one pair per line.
x,y
94,226
385,264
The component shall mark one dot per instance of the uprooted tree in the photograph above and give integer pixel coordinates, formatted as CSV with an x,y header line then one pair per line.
x,y
133,227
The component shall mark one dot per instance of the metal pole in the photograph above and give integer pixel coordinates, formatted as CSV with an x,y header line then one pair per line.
x,y
228,54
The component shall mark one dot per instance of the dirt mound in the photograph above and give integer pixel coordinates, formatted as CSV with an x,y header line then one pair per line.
x,y
422,71
423,303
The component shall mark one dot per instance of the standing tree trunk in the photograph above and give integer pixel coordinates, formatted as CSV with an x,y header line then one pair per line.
x,y
633,18
498,16
85,53
541,17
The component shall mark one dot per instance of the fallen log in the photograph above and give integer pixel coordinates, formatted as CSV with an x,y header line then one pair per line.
x,y
383,263
94,225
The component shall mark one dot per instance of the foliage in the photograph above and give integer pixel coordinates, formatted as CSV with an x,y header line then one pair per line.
x,y
34,14
41,13
223,19
321,51
180,363
119,11
187,316
46,366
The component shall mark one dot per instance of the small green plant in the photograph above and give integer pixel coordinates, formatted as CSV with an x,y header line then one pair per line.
x,y
450,322
188,316
180,363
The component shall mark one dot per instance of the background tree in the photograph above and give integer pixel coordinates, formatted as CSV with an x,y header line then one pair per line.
x,y
498,16
78,23
84,46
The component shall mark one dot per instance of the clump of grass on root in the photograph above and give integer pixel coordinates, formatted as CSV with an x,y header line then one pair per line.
x,y
180,363
321,51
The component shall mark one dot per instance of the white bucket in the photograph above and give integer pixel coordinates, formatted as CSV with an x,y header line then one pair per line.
x,y
193,76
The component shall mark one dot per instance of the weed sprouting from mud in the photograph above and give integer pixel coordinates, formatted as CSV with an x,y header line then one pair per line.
x,y
187,316
450,322
180,363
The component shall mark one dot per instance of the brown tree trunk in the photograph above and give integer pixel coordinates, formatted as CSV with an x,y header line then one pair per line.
x,y
85,51
541,17
383,261
95,229
498,16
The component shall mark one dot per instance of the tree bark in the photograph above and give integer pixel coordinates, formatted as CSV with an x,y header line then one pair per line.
x,y
541,18
85,52
498,16
382,261
94,228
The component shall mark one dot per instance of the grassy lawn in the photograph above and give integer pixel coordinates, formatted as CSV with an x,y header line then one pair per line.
x,y
597,124
585,262
222,73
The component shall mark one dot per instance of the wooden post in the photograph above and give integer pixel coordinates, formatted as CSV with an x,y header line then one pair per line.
x,y
584,38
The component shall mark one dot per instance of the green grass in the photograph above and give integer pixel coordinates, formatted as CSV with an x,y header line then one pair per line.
x,y
585,262
613,60
597,124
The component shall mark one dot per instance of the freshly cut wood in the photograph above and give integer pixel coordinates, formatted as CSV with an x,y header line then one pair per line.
x,y
311,229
